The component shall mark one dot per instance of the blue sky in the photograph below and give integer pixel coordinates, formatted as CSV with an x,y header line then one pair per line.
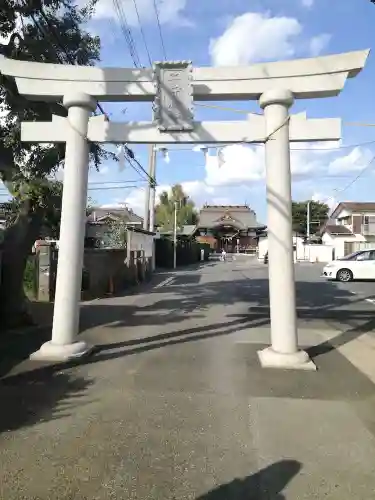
x,y
230,32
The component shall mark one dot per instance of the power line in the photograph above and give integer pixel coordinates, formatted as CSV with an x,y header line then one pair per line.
x,y
160,30
112,182
356,177
129,153
126,31
142,32
107,188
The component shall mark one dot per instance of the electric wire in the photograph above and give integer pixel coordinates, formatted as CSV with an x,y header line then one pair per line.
x,y
126,31
129,153
142,32
160,30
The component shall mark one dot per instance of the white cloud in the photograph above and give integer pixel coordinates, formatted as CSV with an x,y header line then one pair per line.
x,y
357,159
240,164
255,37
324,198
307,3
170,11
319,43
198,190
244,167
246,164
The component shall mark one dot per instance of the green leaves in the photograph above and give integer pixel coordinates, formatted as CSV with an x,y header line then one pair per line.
x,y
318,215
52,31
164,210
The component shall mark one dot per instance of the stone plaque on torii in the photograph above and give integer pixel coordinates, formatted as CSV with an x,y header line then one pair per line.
x,y
172,87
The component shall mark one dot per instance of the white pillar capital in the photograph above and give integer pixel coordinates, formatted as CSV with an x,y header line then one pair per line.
x,y
79,99
276,96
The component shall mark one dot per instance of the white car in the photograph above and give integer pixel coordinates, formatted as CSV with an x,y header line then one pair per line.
x,y
356,266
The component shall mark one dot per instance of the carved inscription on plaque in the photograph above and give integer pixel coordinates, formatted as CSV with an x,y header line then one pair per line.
x,y
173,106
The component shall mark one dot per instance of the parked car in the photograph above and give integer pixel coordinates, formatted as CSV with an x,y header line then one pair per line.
x,y
356,266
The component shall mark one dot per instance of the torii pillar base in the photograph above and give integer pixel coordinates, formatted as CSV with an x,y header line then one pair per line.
x,y
298,360
68,352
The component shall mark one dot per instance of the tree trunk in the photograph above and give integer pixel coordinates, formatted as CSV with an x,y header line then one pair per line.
x,y
18,241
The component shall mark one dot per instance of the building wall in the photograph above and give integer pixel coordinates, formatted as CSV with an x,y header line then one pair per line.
x,y
298,243
344,213
339,242
318,253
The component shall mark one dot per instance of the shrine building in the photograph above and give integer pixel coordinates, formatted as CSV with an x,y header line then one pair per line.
x,y
233,228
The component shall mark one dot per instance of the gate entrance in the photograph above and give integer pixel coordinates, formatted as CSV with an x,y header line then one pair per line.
x,y
173,87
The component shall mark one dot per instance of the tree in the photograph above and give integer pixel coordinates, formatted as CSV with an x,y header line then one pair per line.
x,y
164,210
47,31
318,215
115,237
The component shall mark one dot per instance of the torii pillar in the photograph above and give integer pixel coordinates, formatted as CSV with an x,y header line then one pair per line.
x,y
284,352
64,343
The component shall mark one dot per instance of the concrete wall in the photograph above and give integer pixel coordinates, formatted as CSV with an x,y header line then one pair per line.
x,y
108,271
340,242
318,253
298,243
105,271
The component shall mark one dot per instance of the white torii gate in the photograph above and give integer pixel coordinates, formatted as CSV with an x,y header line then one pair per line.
x,y
173,86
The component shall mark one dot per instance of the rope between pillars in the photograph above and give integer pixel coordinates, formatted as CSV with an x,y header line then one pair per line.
x,y
269,136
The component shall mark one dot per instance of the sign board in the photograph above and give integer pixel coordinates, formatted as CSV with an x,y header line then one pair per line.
x,y
173,105
142,242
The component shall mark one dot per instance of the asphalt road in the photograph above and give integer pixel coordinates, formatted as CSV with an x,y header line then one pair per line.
x,y
174,405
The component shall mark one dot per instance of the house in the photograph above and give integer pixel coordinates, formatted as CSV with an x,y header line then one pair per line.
x,y
351,227
99,221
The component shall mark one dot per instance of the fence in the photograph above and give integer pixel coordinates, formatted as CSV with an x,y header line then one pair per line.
x,y
187,252
105,271
317,253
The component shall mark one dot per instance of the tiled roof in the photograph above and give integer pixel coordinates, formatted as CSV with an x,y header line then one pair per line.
x,y
360,206
354,206
242,215
126,213
336,229
188,229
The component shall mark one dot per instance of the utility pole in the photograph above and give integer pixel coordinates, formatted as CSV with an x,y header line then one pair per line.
x,y
152,188
308,221
149,218
175,237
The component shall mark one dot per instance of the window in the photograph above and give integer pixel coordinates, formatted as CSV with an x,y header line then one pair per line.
x,y
366,219
368,255
345,221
